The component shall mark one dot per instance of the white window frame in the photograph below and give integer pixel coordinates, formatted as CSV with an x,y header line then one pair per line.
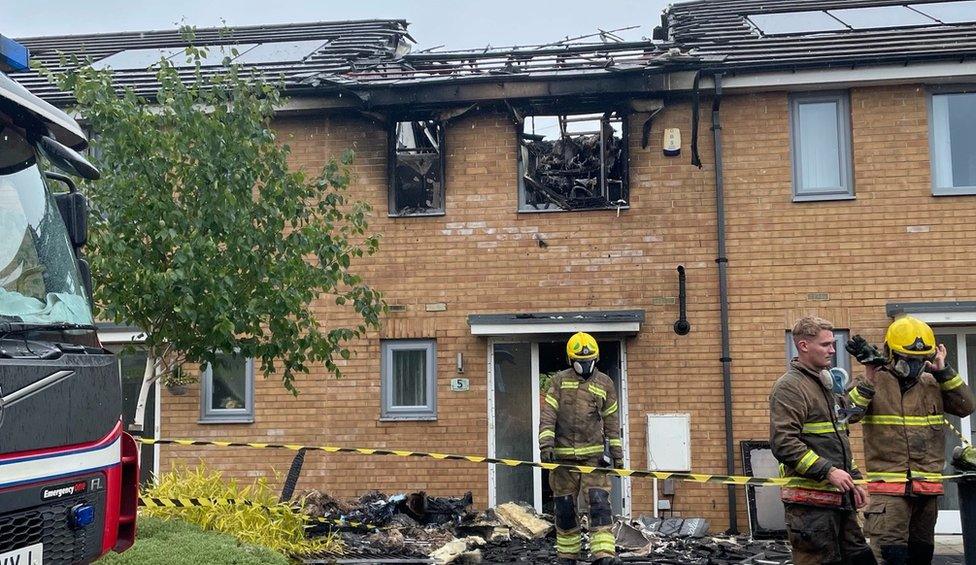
x,y
210,415
939,142
425,412
846,160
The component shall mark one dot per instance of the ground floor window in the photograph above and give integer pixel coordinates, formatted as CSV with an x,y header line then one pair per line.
x,y
409,379
227,390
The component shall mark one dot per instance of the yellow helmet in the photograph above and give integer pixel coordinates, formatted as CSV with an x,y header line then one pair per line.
x,y
581,347
910,336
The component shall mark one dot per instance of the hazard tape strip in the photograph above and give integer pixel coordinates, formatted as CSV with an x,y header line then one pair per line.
x,y
585,469
156,502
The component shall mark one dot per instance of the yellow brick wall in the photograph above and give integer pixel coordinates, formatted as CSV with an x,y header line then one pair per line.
x,y
484,257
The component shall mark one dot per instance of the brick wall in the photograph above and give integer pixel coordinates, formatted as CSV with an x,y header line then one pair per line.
x,y
895,242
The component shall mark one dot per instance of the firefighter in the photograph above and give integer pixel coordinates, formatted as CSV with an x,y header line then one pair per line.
x,y
809,437
905,393
580,414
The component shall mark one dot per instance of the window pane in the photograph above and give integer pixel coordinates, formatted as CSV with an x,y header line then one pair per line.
x,y
409,377
954,143
229,383
819,146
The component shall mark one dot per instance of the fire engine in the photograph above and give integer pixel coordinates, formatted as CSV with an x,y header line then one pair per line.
x,y
68,473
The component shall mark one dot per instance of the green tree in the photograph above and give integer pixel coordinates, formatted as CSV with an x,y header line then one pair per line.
x,y
204,237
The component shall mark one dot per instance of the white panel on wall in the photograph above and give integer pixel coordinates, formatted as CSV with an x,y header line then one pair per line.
x,y
669,442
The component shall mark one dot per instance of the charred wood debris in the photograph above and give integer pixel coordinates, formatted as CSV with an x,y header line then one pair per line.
x,y
416,528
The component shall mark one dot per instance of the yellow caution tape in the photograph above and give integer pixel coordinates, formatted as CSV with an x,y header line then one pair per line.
x,y
585,469
156,502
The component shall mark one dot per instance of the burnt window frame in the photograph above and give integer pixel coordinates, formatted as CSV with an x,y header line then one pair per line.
x,y
393,159
622,115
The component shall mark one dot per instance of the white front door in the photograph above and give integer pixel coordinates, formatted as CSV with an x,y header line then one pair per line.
x,y
961,346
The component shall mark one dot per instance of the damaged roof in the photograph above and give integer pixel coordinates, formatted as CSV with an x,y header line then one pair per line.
x,y
538,61
760,34
292,52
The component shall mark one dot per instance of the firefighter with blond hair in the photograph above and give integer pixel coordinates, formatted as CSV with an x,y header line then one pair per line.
x,y
809,437
580,416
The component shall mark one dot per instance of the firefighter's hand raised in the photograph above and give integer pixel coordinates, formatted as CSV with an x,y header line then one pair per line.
x,y
840,479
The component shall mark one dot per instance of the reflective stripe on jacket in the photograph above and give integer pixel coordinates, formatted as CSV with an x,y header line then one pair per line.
x,y
805,435
904,433
579,415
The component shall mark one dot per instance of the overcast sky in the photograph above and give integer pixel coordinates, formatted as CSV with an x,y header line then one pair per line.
x,y
457,23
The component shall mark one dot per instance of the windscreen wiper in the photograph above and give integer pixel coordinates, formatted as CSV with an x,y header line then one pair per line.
x,y
20,327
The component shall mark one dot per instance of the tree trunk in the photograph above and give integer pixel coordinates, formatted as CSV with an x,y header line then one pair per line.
x,y
149,376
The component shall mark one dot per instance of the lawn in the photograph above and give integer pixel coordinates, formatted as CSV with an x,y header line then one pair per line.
x,y
173,542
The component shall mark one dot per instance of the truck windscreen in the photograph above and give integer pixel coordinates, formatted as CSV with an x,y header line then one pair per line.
x,y
39,280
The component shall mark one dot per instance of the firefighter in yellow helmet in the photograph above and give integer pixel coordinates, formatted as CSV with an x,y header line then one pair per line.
x,y
905,393
580,416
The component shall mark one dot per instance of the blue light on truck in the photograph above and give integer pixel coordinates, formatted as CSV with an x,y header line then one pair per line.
x,y
14,57
82,515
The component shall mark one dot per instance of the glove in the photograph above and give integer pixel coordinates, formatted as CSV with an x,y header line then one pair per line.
x,y
864,352
964,458
547,455
618,463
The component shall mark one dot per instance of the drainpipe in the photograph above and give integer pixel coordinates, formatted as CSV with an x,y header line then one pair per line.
x,y
723,293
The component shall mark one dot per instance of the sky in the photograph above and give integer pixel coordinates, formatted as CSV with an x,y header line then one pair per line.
x,y
458,24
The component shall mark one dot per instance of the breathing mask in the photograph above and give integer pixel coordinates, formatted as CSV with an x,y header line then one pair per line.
x,y
908,368
584,367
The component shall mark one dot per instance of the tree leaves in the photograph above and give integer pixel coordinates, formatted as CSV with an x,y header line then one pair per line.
x,y
203,237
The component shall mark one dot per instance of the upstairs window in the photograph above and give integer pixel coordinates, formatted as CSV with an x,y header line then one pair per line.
x,y
953,134
417,169
573,162
820,125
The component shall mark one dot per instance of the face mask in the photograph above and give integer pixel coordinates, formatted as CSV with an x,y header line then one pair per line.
x,y
584,368
839,379
908,367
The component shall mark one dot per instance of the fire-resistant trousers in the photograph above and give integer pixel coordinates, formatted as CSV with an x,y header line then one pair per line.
x,y
822,536
902,526
566,487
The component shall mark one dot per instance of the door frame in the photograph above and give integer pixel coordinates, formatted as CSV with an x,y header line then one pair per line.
x,y
123,338
622,400
949,521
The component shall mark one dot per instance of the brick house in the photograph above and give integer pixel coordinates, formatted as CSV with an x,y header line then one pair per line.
x,y
528,193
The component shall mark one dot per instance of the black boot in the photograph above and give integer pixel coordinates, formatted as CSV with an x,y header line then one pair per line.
x,y
920,553
608,561
565,561
894,554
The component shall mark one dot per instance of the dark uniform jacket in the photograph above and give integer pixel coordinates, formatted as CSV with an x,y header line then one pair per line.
x,y
806,436
904,433
578,414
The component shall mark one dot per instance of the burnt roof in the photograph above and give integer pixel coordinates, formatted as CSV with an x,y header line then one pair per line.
x,y
345,44
529,62
719,29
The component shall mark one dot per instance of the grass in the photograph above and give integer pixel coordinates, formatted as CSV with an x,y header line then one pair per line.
x,y
173,542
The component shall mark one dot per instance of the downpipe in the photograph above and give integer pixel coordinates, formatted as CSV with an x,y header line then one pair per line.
x,y
723,291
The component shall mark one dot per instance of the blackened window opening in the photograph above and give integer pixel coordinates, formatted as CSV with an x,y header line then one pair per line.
x,y
573,162
417,183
